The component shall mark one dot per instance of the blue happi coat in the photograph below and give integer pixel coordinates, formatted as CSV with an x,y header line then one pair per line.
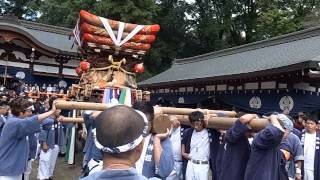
x,y
52,133
130,174
217,167
166,163
33,143
237,152
90,150
88,122
2,122
14,145
265,158
292,144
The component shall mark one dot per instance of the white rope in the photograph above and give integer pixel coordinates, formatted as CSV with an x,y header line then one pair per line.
x,y
125,147
131,34
120,32
117,41
76,33
108,28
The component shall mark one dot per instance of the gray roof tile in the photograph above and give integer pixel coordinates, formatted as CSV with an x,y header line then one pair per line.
x,y
274,53
58,41
52,36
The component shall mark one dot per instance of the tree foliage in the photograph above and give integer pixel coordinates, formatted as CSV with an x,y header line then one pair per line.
x,y
63,12
187,29
23,9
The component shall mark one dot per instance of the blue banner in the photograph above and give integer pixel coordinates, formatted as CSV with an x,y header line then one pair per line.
x,y
33,79
259,101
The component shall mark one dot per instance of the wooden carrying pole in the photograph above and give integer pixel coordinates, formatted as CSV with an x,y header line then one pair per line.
x,y
165,110
213,122
226,122
70,105
187,111
220,122
72,120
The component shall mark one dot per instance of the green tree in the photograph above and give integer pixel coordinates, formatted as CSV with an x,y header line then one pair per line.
x,y
23,9
171,38
277,17
217,24
138,11
205,26
63,12
186,29
245,20
275,22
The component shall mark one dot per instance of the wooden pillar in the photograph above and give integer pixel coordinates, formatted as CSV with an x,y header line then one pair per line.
x,y
60,69
61,60
32,59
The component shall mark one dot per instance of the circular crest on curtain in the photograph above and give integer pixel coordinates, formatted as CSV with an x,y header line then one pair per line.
x,y
286,103
255,102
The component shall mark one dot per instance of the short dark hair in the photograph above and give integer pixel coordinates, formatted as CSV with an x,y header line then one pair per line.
x,y
3,103
308,118
304,117
42,97
196,116
119,125
145,107
38,107
19,105
53,98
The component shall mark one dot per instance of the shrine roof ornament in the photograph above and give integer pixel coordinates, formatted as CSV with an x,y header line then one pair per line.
x,y
96,34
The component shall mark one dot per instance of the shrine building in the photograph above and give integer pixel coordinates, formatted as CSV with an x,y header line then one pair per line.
x,y
278,74
37,53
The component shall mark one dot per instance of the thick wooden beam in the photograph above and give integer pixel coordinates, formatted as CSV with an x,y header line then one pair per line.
x,y
165,110
213,122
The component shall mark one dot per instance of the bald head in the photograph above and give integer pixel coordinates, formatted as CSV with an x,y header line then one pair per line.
x,y
118,125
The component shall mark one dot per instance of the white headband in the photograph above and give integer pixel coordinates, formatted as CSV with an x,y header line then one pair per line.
x,y
126,147
30,108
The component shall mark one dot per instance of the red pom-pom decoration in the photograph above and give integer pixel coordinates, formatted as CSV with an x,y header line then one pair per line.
x,y
79,71
138,68
85,66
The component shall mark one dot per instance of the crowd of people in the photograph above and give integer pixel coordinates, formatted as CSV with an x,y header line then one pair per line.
x,y
21,123
35,88
30,130
120,144
285,149
20,89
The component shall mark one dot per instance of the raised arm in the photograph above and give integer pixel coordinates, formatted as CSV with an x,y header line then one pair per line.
x,y
45,115
163,154
239,129
270,136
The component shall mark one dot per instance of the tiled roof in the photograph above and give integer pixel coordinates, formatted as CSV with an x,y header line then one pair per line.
x,y
282,51
51,36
